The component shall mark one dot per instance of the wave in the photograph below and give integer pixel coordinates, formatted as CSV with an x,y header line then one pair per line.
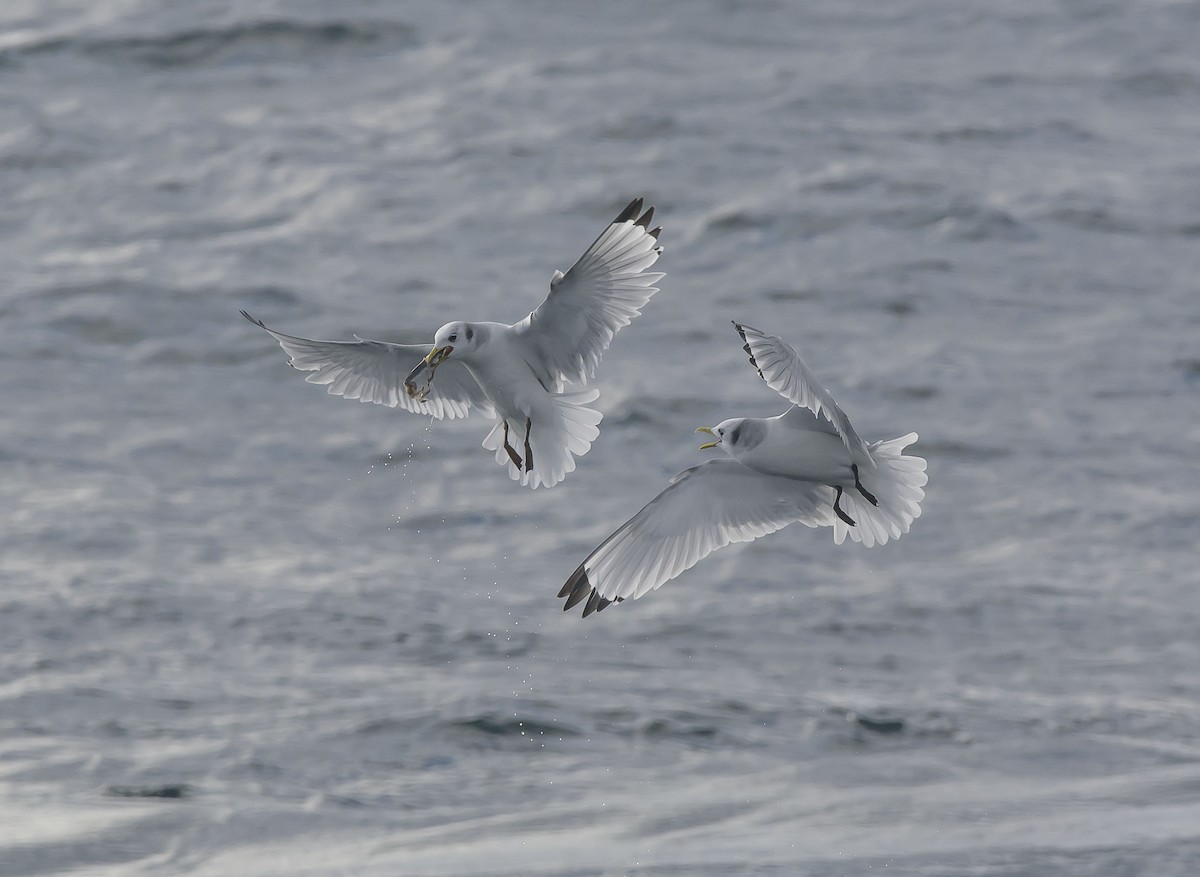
x,y
257,41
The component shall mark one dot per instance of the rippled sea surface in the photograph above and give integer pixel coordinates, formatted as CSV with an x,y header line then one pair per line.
x,y
252,629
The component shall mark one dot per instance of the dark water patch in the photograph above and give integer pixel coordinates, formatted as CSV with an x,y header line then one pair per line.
x,y
970,133
169,791
728,724
251,298
253,42
916,268
387,725
864,630
778,295
664,411
1159,83
781,225
494,731
918,188
1189,367
1132,393
680,726
901,307
848,182
976,223
1091,218
179,704
926,391
639,126
738,220
1052,130
877,726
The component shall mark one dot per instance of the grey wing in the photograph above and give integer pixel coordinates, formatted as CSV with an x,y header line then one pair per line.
x,y
374,371
788,375
568,332
705,508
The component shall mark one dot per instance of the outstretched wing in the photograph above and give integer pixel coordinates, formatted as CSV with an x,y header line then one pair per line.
x,y
374,371
704,508
609,285
786,373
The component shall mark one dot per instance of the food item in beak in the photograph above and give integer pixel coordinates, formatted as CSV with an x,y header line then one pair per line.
x,y
430,363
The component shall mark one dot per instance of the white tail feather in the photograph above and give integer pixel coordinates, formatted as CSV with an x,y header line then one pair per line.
x,y
555,440
897,482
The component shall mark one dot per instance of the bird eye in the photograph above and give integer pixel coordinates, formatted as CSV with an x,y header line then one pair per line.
x,y
720,432
454,337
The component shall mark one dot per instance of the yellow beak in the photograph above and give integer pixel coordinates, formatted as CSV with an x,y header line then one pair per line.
x,y
436,356
706,445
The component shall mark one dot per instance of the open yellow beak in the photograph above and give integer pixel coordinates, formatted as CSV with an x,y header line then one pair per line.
x,y
437,356
706,445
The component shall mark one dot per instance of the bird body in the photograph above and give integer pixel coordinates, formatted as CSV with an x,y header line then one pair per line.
x,y
789,447
501,363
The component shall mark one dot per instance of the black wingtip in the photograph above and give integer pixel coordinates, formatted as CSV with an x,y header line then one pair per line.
x,y
644,219
594,604
746,347
576,588
579,587
572,581
256,322
634,208
655,232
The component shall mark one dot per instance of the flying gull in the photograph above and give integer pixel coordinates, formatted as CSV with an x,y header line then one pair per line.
x,y
807,464
529,376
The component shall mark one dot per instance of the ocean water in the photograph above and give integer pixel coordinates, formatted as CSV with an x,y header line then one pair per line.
x,y
253,629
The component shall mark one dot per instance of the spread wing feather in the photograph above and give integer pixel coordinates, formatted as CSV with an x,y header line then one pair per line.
x,y
788,375
704,508
375,371
568,333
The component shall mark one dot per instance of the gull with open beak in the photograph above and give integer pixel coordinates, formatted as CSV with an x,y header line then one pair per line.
x,y
531,376
807,464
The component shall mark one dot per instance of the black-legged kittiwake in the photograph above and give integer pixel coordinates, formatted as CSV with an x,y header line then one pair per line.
x,y
807,465
518,374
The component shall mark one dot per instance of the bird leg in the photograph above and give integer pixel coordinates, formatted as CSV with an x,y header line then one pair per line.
x,y
837,508
528,450
870,498
512,452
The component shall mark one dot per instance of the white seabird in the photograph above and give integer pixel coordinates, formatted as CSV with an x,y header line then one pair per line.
x,y
516,373
806,465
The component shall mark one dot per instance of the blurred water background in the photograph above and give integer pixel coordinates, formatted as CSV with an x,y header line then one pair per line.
x,y
249,628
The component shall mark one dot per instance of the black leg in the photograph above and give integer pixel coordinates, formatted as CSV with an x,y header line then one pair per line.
x,y
528,450
838,509
512,452
871,499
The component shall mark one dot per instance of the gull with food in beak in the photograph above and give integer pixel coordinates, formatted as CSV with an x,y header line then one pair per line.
x,y
530,375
